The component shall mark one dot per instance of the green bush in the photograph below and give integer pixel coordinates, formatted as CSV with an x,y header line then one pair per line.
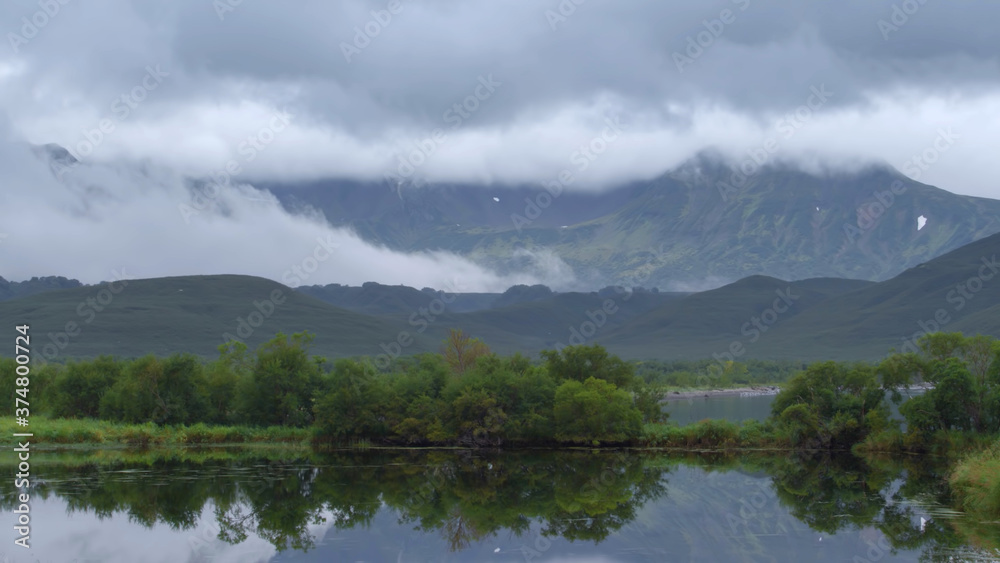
x,y
595,410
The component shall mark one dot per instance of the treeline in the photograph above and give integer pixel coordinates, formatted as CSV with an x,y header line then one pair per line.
x,y
839,406
464,395
831,405
467,395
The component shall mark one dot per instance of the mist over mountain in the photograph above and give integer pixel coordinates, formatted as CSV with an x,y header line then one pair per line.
x,y
698,226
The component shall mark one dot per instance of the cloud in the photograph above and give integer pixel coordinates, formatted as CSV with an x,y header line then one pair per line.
x,y
98,219
937,67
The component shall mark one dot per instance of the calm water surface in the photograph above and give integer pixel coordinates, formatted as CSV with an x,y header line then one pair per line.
x,y
733,408
464,506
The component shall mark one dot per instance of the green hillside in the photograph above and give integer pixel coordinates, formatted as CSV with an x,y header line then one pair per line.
x,y
187,314
756,317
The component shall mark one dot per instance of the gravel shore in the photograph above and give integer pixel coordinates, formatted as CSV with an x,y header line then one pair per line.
x,y
737,392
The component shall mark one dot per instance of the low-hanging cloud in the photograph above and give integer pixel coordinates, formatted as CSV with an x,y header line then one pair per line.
x,y
91,220
900,70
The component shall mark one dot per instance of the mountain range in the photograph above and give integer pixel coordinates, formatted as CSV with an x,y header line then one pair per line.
x,y
698,226
755,317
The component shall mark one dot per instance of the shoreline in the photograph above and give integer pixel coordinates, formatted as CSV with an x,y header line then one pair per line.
x,y
746,392
762,391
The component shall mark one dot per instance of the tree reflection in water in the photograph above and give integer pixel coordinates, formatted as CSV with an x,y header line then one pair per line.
x,y
469,496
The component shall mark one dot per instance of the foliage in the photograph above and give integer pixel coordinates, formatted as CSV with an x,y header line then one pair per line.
x,y
975,482
281,383
461,351
965,373
78,389
595,411
831,405
351,405
171,391
580,363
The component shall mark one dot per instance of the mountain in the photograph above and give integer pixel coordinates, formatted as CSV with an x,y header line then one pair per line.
x,y
13,290
378,299
956,292
188,314
755,317
831,319
693,227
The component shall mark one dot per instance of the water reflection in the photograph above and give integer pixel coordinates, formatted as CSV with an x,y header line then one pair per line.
x,y
525,506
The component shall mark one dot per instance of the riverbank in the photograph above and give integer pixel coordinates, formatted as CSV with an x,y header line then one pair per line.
x,y
62,432
975,482
755,391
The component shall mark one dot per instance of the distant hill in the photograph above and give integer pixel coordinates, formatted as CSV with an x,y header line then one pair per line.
x,y
756,317
189,314
962,288
13,290
378,299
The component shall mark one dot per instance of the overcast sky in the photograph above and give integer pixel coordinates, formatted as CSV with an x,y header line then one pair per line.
x,y
495,92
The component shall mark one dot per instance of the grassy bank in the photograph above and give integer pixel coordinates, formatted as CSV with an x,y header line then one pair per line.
x,y
953,444
61,432
975,483
715,435
707,434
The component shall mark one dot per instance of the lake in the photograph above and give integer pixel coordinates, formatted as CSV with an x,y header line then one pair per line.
x,y
245,505
732,407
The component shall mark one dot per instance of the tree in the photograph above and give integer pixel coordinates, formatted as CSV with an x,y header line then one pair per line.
x,y
964,371
595,411
351,408
580,363
223,379
461,351
281,383
77,390
846,400
941,345
170,391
